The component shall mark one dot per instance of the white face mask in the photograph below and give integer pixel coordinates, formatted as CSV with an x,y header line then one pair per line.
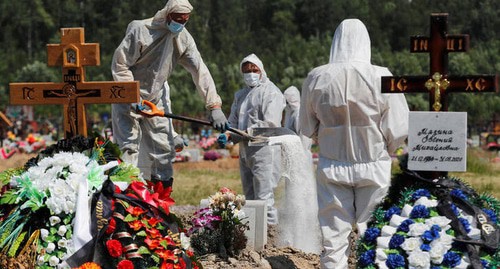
x,y
251,79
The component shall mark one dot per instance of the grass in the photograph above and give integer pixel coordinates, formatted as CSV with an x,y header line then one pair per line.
x,y
196,181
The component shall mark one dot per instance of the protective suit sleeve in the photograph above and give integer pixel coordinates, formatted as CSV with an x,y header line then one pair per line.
x,y
127,53
394,121
192,61
308,122
233,115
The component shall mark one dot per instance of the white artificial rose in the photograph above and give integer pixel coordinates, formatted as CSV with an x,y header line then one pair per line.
x,y
54,220
388,230
380,255
44,233
40,260
185,242
53,261
62,230
405,212
383,242
396,220
445,238
419,259
441,221
417,229
426,202
437,251
62,243
411,244
474,233
50,247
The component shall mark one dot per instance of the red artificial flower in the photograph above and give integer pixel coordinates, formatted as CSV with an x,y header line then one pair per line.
x,y
152,243
181,264
154,221
195,265
166,254
161,196
169,240
125,264
114,248
111,226
90,265
136,225
153,233
166,265
135,210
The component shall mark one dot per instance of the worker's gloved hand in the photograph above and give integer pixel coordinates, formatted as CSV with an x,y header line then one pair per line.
x,y
179,143
222,140
218,120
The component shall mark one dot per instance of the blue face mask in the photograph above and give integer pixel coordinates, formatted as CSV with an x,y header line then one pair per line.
x,y
175,27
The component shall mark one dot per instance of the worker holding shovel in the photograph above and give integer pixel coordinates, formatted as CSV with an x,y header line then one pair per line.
x,y
148,53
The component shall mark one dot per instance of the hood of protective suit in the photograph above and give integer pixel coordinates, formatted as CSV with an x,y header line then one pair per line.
x,y
255,60
292,96
172,6
351,43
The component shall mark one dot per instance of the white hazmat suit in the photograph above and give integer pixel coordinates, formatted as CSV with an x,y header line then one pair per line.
x,y
148,54
357,127
259,106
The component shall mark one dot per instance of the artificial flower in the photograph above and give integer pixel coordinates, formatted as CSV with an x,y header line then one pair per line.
x,y
114,248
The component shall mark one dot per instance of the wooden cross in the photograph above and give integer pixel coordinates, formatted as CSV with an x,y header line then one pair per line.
x,y
438,83
74,92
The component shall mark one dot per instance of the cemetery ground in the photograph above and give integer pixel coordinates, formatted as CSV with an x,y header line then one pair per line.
x,y
198,180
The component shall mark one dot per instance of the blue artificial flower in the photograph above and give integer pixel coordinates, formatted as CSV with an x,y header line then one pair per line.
x,y
465,223
371,234
459,193
455,209
395,261
451,259
419,211
491,214
367,258
485,264
436,267
425,247
420,193
396,241
429,236
391,211
405,225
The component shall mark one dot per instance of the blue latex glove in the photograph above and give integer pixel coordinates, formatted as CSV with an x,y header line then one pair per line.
x,y
219,120
222,140
179,143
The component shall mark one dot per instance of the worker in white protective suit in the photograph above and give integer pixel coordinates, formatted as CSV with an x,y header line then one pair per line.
x,y
357,127
148,53
259,104
292,109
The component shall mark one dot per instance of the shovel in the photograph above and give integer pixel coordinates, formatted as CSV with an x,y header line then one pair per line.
x,y
149,109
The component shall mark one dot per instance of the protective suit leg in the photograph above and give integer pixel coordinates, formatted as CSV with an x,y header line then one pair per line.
x,y
126,131
368,196
157,136
257,177
336,216
246,175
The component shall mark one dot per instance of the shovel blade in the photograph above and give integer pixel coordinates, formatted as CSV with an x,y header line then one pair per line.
x,y
262,133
